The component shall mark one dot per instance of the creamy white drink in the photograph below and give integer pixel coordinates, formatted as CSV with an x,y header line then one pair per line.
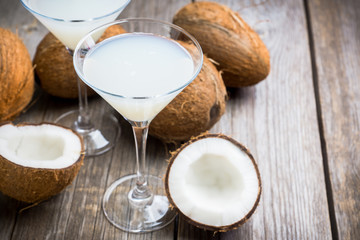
x,y
136,72
70,20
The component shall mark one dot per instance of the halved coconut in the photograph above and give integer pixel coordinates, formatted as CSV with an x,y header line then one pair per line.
x,y
38,161
214,182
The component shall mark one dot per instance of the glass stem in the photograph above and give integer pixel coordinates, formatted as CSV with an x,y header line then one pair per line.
x,y
84,118
140,130
83,121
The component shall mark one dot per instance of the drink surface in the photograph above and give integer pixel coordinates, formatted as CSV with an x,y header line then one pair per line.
x,y
70,20
138,65
75,9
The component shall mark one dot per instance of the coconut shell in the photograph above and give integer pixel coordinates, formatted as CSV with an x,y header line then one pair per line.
x,y
33,185
226,38
55,69
188,219
196,109
16,75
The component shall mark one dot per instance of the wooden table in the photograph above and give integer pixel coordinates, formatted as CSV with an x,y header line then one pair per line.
x,y
302,125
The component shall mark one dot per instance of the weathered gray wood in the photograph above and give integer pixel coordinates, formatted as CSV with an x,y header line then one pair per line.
x,y
124,162
15,18
276,120
336,35
76,213
8,211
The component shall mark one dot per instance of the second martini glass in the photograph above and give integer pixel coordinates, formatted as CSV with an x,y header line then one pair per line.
x,y
69,21
138,73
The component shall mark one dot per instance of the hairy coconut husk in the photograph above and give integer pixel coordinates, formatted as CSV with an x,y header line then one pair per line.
x,y
225,37
55,69
16,75
224,228
33,185
196,109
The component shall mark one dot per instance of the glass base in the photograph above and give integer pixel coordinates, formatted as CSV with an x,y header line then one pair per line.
x,y
98,138
130,217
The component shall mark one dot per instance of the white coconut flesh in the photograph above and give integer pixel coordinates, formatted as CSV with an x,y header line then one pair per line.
x,y
40,146
213,182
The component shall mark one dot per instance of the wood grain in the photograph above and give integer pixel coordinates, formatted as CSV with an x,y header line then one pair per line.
x,y
336,36
15,18
276,120
76,213
296,125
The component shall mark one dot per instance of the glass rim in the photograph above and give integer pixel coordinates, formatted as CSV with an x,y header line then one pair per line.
x,y
125,20
24,3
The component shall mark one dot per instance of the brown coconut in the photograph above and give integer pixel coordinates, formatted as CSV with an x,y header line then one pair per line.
x,y
196,109
16,75
55,69
226,38
31,185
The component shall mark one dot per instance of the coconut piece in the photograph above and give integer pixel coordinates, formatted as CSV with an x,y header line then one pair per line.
x,y
196,109
16,75
38,161
214,182
225,37
55,69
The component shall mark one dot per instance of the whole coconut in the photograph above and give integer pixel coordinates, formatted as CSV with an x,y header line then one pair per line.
x,y
195,110
55,69
226,38
16,75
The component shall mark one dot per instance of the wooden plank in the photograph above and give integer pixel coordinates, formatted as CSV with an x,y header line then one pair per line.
x,y
336,35
15,18
76,213
277,120
156,151
8,211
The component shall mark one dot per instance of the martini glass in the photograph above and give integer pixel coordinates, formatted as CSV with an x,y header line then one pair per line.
x,y
69,21
138,72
